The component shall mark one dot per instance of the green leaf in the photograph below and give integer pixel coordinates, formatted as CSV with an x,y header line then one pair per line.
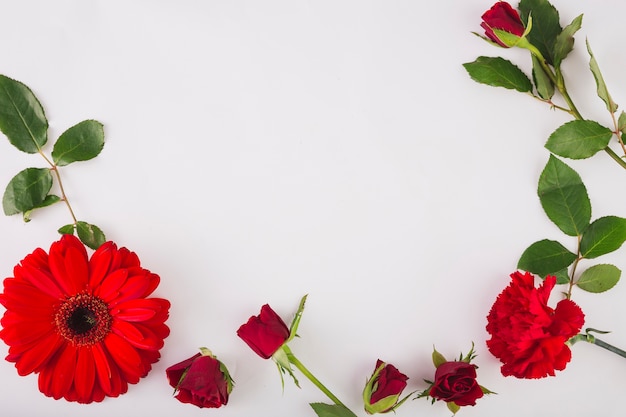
x,y
621,123
564,197
452,406
543,84
545,257
498,72
438,358
603,92
603,236
331,410
90,235
48,201
599,278
579,139
562,276
68,229
565,40
22,118
546,26
27,190
80,142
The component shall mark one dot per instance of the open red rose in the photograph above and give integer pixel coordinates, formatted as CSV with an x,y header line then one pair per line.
x,y
456,382
383,389
264,333
201,380
503,17
527,335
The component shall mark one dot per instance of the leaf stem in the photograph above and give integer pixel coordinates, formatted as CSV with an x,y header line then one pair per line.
x,y
54,168
295,362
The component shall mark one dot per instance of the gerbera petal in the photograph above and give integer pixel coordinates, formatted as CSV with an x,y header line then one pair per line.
x,y
100,262
109,288
85,375
41,280
125,357
38,355
64,370
103,368
77,269
140,309
138,336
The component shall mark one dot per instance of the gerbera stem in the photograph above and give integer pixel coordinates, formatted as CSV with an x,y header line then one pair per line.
x,y
293,360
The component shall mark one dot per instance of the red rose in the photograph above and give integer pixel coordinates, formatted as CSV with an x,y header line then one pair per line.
x,y
456,382
527,335
502,16
383,389
201,380
264,333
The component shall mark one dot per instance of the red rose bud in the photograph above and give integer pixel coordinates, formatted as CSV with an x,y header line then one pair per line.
x,y
201,380
264,333
383,389
456,382
502,17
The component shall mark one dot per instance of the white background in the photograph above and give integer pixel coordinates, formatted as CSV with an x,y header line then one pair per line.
x,y
259,151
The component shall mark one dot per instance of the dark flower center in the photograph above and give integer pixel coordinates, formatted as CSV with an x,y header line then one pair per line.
x,y
83,319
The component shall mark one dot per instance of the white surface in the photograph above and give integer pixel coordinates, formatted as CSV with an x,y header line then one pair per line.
x,y
257,151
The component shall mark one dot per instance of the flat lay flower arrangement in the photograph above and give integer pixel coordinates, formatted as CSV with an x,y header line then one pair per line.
x,y
90,321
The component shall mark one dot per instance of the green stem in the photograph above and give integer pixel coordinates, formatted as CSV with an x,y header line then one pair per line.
x,y
293,360
595,341
559,82
54,168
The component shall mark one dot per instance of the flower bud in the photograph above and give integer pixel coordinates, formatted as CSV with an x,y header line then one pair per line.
x,y
383,389
506,21
201,380
264,333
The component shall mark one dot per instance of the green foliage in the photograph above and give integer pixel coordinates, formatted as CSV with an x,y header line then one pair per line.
x,y
564,197
80,142
498,72
543,83
27,191
22,118
579,139
602,90
545,257
599,278
438,358
603,236
90,234
546,26
331,410
565,41
68,229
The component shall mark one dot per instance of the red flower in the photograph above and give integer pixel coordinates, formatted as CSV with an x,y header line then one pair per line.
x,y
201,380
84,325
527,335
456,382
503,17
383,389
264,333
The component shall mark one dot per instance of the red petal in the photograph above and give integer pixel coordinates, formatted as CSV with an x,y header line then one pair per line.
x,y
103,369
85,375
77,269
64,370
38,355
109,288
100,262
138,336
41,279
125,357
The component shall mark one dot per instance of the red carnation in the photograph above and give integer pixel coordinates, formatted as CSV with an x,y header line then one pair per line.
x,y
527,335
503,17
84,325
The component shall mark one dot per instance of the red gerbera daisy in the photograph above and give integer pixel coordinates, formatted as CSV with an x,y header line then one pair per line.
x,y
85,325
